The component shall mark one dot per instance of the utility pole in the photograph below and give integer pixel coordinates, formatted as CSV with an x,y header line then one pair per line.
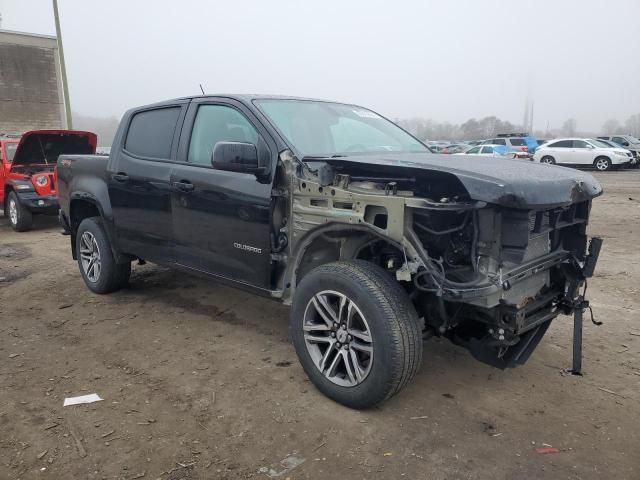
x,y
63,68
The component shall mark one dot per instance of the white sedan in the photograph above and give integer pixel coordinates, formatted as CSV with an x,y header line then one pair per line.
x,y
582,151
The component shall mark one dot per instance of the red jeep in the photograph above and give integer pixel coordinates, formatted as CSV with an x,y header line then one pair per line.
x,y
28,176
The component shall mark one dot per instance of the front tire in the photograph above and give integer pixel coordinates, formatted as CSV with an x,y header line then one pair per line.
x,y
548,159
356,333
97,264
602,164
20,218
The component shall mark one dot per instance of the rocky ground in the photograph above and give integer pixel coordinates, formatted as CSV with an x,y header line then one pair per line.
x,y
199,381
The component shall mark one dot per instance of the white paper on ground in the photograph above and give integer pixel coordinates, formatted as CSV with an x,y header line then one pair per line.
x,y
92,397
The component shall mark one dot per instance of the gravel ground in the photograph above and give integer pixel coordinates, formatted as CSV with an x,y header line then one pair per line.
x,y
199,381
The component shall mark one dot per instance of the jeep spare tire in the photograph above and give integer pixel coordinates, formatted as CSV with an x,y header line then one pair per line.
x,y
356,333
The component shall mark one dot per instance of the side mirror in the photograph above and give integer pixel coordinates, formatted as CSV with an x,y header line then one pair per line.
x,y
236,157
625,144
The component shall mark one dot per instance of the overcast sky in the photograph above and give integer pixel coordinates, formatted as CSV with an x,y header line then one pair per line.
x,y
446,60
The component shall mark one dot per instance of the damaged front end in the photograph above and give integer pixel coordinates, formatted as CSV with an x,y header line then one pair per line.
x,y
486,261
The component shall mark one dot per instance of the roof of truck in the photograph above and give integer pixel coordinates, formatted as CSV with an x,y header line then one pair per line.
x,y
243,97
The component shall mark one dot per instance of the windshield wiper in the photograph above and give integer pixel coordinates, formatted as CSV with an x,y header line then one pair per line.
x,y
321,157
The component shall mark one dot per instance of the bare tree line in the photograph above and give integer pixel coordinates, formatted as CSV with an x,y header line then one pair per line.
x,y
487,127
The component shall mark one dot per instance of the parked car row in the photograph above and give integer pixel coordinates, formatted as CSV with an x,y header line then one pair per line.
x,y
512,143
602,153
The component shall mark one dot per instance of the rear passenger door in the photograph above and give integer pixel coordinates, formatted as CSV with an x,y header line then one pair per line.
x,y
560,151
221,219
139,189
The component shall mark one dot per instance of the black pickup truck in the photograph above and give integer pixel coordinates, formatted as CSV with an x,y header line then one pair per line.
x,y
375,242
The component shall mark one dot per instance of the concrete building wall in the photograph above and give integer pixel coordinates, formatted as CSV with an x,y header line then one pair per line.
x,y
31,95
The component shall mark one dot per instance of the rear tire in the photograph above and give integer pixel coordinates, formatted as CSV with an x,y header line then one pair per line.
x,y
356,333
20,217
602,164
96,262
548,159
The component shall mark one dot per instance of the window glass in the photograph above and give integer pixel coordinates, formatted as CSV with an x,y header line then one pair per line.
x,y
474,150
218,123
561,144
499,141
151,133
599,143
619,140
487,149
518,142
11,150
325,128
580,144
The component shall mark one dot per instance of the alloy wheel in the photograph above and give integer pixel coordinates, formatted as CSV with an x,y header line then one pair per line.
x,y
90,256
13,212
338,338
602,164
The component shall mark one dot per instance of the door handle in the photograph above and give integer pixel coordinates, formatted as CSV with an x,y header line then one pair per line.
x,y
120,177
184,186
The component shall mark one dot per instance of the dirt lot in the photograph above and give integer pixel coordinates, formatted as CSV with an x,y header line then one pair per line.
x,y
199,381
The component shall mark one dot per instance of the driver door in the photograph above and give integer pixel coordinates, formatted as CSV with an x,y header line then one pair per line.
x,y
582,153
221,220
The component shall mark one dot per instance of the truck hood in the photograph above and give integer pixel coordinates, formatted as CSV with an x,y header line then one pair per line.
x,y
43,147
511,183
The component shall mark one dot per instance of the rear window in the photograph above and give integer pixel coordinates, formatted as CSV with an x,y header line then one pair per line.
x,y
561,144
518,142
151,133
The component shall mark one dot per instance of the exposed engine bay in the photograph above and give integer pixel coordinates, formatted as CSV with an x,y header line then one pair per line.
x,y
32,169
488,274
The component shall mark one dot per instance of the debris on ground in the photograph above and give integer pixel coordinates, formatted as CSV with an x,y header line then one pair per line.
x,y
74,433
92,397
547,450
611,392
287,464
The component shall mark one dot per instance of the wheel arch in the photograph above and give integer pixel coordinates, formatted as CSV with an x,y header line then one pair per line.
x,y
84,205
8,188
603,157
329,243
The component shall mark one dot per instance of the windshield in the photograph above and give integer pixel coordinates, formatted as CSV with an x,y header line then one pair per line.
x,y
598,143
631,139
326,129
10,148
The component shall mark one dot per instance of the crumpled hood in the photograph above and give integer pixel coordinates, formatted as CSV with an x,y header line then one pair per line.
x,y
501,181
43,147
